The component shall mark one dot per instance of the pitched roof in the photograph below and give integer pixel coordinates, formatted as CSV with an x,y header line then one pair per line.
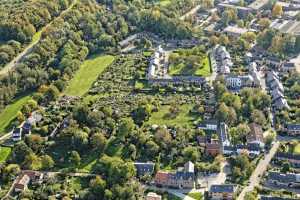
x,y
282,155
283,178
228,188
274,198
256,133
293,127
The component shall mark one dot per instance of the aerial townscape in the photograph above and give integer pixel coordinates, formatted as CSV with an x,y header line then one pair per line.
x,y
150,99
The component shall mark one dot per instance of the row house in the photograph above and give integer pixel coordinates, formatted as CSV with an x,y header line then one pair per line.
x,y
182,178
282,179
293,159
223,59
144,168
276,90
292,129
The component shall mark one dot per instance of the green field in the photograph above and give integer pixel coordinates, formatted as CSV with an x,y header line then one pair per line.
x,y
296,149
182,69
4,153
87,74
10,112
183,118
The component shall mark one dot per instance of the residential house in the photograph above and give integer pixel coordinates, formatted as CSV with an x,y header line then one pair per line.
x,y
235,31
271,76
22,183
213,147
282,179
211,125
35,176
276,84
143,169
182,178
222,192
292,129
17,134
276,94
288,67
258,5
280,104
275,198
237,82
286,26
256,135
273,62
223,59
293,159
153,196
223,137
242,12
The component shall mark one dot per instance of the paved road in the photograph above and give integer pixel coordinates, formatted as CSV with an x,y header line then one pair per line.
x,y
8,67
259,171
191,12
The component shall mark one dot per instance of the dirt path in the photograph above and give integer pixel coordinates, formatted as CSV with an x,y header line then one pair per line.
x,y
8,67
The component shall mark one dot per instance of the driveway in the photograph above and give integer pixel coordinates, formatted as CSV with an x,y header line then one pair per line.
x,y
220,178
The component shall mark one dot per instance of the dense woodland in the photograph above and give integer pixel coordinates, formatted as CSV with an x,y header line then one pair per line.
x,y
21,20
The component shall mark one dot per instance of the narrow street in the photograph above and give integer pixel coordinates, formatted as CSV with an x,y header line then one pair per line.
x,y
259,171
191,12
8,67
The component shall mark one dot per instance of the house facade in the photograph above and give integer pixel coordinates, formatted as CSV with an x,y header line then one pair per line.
x,y
182,178
222,192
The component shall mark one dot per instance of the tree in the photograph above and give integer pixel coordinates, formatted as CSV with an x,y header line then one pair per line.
x,y
258,117
126,127
286,166
277,10
47,162
115,169
20,151
10,172
98,141
75,158
32,162
52,93
97,186
190,154
141,114
264,23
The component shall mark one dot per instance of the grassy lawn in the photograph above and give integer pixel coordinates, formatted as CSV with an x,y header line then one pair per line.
x,y
4,153
297,149
87,74
205,71
10,112
164,2
196,195
37,36
182,118
182,69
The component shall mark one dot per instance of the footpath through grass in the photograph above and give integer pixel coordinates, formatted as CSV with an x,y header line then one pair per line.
x,y
10,112
87,74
